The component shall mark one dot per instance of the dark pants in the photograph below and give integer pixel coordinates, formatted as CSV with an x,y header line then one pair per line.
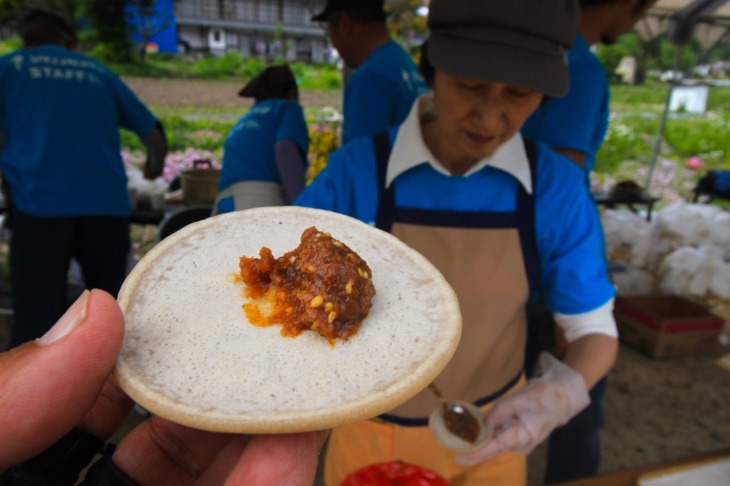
x,y
574,450
41,250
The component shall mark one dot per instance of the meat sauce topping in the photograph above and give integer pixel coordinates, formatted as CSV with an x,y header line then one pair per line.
x,y
322,285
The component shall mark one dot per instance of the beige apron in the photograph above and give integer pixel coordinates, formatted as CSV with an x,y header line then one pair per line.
x,y
485,268
253,194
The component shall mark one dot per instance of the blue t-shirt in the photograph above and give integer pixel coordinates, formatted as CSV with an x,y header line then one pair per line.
x,y
569,234
579,120
380,92
248,153
61,112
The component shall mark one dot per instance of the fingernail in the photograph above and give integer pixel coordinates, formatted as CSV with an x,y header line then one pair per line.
x,y
74,316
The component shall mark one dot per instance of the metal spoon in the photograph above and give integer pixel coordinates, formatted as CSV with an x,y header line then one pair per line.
x,y
457,425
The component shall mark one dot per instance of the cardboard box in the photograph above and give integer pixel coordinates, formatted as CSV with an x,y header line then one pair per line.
x,y
664,326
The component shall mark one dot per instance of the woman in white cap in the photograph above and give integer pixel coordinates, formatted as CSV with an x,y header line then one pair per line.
x,y
500,217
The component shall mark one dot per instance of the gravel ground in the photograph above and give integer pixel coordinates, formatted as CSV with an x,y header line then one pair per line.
x,y
660,409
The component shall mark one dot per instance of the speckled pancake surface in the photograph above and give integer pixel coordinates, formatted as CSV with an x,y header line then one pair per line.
x,y
190,355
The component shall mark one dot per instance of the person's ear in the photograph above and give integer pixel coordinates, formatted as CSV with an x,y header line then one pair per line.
x,y
345,23
634,6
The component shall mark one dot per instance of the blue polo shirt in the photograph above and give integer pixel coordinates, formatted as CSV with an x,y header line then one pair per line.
x,y
248,153
578,120
380,92
61,113
569,234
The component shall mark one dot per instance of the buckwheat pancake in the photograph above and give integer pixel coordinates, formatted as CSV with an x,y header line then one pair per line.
x,y
190,355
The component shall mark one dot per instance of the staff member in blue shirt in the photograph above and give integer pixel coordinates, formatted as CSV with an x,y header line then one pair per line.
x,y
575,125
386,81
500,217
60,115
265,155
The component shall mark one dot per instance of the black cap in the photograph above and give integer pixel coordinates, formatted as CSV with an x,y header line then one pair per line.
x,y
272,82
347,5
519,42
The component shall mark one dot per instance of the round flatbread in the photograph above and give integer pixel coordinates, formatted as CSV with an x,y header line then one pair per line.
x,y
190,355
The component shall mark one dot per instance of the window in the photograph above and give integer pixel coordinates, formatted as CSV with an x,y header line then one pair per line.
x,y
209,9
267,12
294,13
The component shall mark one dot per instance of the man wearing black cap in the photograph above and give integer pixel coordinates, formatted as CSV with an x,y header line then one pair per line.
x,y
386,81
575,125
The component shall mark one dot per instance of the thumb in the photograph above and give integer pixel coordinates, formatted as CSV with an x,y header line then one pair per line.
x,y
48,385
279,459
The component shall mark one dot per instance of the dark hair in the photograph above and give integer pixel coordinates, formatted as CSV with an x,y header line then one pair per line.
x,y
39,27
596,3
282,91
361,15
272,82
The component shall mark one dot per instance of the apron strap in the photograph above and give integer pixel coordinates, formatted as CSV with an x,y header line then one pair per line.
x,y
386,206
526,214
525,207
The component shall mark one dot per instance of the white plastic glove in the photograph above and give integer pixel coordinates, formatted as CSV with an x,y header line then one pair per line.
x,y
522,420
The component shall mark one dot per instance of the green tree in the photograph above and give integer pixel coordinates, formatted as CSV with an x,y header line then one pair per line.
x,y
405,22
13,10
8,11
105,29
668,53
107,32
658,53
147,21
610,56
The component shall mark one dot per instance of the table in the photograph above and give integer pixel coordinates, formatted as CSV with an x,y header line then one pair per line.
x,y
147,215
144,213
629,477
643,200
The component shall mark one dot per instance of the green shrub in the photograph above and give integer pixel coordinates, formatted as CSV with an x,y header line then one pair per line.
x,y
184,133
9,45
250,67
322,76
215,67
627,138
718,100
706,138
634,99
108,53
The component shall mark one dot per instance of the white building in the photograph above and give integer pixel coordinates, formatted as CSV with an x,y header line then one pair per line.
x,y
264,28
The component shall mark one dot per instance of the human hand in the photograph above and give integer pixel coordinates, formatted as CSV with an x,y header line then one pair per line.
x,y
523,419
62,381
